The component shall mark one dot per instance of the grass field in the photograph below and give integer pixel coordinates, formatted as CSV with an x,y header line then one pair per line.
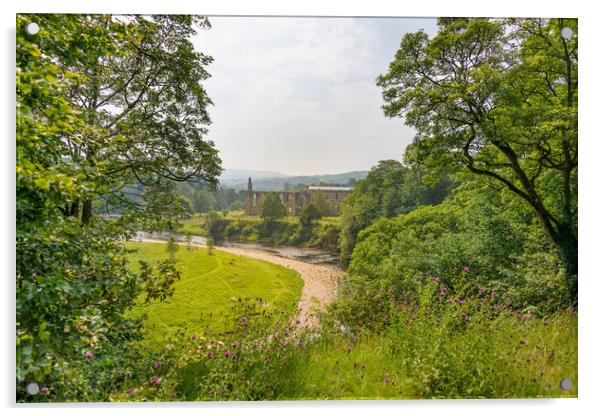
x,y
209,287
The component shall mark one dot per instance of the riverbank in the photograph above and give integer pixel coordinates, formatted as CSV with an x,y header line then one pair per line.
x,y
320,280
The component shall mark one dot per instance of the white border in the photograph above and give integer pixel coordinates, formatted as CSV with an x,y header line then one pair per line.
x,y
590,145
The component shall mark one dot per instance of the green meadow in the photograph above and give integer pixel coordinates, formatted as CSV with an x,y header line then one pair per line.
x,y
211,285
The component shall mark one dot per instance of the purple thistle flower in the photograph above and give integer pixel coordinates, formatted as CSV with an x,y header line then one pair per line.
x,y
461,301
132,392
44,389
156,381
194,336
210,354
226,353
493,293
234,357
466,269
157,364
386,379
523,341
89,354
481,289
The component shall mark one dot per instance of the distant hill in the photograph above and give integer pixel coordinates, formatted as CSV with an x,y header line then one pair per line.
x,y
277,182
233,174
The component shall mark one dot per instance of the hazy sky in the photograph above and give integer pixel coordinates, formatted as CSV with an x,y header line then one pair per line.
x,y
298,95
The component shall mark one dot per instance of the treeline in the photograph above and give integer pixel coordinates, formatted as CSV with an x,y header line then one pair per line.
x,y
273,226
200,198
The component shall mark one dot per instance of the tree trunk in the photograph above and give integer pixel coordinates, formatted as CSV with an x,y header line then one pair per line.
x,y
568,246
86,212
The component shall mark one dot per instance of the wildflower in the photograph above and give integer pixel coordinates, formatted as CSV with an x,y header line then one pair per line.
x,y
89,354
194,336
443,292
364,365
546,322
226,353
523,341
386,379
132,392
234,344
466,269
156,381
44,389
349,348
541,373
157,364
461,301
210,354
481,289
493,293
234,357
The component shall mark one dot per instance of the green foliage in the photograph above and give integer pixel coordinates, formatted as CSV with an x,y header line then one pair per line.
x,y
272,209
320,201
186,205
389,189
237,206
203,201
215,226
497,98
73,285
309,214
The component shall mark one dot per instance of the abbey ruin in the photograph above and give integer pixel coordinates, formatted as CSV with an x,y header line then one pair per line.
x,y
297,200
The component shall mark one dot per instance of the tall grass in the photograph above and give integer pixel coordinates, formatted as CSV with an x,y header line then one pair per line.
x,y
439,346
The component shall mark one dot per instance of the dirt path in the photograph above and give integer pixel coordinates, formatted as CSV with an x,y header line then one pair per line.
x,y
319,288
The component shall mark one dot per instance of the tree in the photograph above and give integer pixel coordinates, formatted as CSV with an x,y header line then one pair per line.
x,y
309,214
272,208
74,286
237,206
139,90
498,98
321,203
186,205
202,201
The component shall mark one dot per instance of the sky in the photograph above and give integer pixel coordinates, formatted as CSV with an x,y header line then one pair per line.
x,y
298,95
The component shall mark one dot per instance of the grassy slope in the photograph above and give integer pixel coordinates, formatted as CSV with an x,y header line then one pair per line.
x,y
330,369
209,287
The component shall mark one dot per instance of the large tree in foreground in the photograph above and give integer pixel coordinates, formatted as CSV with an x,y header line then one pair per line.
x,y
498,98
102,103
139,90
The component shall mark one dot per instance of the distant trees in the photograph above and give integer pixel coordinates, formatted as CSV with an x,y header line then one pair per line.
x,y
203,201
308,214
498,98
321,203
272,209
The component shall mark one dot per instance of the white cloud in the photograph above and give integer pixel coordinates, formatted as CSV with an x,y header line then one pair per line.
x,y
298,95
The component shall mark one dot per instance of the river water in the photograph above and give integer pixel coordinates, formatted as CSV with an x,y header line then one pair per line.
x,y
308,255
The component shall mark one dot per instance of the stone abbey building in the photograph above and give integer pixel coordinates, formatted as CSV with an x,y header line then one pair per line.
x,y
297,200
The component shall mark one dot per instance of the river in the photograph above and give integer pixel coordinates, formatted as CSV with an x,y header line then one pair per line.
x,y
308,255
